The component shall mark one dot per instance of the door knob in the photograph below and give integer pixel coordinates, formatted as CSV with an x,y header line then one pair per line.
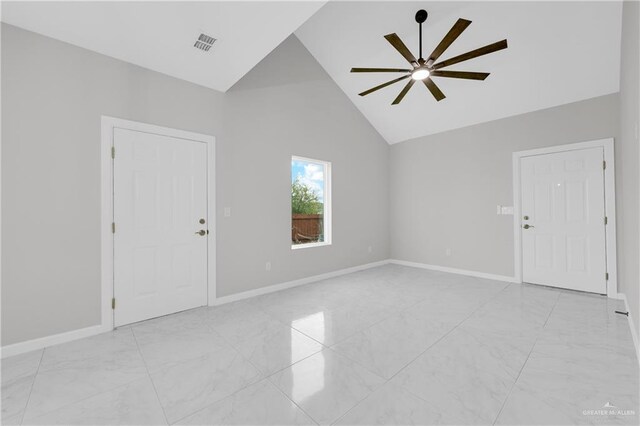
x,y
527,226
201,232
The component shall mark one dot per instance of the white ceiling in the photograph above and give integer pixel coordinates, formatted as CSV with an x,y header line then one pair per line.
x,y
160,35
559,52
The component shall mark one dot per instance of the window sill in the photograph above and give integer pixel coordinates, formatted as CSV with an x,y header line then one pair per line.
x,y
309,245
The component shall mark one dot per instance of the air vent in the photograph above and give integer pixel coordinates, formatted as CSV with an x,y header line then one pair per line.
x,y
204,42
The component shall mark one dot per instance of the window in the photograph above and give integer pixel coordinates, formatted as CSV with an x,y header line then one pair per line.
x,y
310,203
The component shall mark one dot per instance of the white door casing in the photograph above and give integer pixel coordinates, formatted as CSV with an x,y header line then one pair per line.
x,y
563,196
160,198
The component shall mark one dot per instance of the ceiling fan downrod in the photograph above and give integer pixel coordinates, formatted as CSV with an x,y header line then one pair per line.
x,y
421,17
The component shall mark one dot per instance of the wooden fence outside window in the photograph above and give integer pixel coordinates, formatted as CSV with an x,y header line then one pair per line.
x,y
306,228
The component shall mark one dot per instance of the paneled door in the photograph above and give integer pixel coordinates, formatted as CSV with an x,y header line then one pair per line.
x,y
160,211
563,220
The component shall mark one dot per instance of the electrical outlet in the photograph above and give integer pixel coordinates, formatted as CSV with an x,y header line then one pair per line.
x,y
499,209
267,266
448,252
227,212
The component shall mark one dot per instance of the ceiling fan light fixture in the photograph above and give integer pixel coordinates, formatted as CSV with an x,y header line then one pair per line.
x,y
420,74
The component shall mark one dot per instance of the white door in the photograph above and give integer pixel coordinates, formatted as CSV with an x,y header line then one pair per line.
x,y
160,205
563,220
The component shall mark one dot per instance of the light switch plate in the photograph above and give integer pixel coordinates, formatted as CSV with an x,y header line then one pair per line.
x,y
227,212
507,210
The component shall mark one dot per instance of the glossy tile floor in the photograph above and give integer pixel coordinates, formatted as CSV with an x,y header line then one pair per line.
x,y
390,345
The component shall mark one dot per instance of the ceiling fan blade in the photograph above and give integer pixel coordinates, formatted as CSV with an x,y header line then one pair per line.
x,y
472,54
461,74
435,90
451,36
380,70
388,83
404,91
400,47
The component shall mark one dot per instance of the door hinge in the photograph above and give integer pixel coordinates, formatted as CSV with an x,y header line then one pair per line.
x,y
606,276
606,220
113,303
113,227
604,165
113,152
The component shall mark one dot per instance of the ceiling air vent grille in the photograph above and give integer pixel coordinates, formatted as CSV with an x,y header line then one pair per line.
x,y
204,42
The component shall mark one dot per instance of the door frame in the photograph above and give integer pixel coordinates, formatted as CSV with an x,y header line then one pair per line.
x,y
108,124
607,146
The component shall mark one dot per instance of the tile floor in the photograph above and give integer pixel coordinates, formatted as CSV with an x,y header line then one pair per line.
x,y
390,345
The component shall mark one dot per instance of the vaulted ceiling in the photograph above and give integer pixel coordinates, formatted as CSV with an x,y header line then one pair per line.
x,y
160,35
559,52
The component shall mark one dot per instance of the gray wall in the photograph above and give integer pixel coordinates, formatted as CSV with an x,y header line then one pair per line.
x,y
53,95
629,157
445,187
287,106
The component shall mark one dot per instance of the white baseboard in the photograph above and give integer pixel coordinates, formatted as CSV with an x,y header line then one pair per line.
x,y
632,325
43,342
295,283
31,345
455,271
55,339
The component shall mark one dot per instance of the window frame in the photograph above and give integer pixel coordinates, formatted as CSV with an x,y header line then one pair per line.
x,y
326,203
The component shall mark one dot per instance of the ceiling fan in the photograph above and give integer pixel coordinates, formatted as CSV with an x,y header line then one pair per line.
x,y
423,70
